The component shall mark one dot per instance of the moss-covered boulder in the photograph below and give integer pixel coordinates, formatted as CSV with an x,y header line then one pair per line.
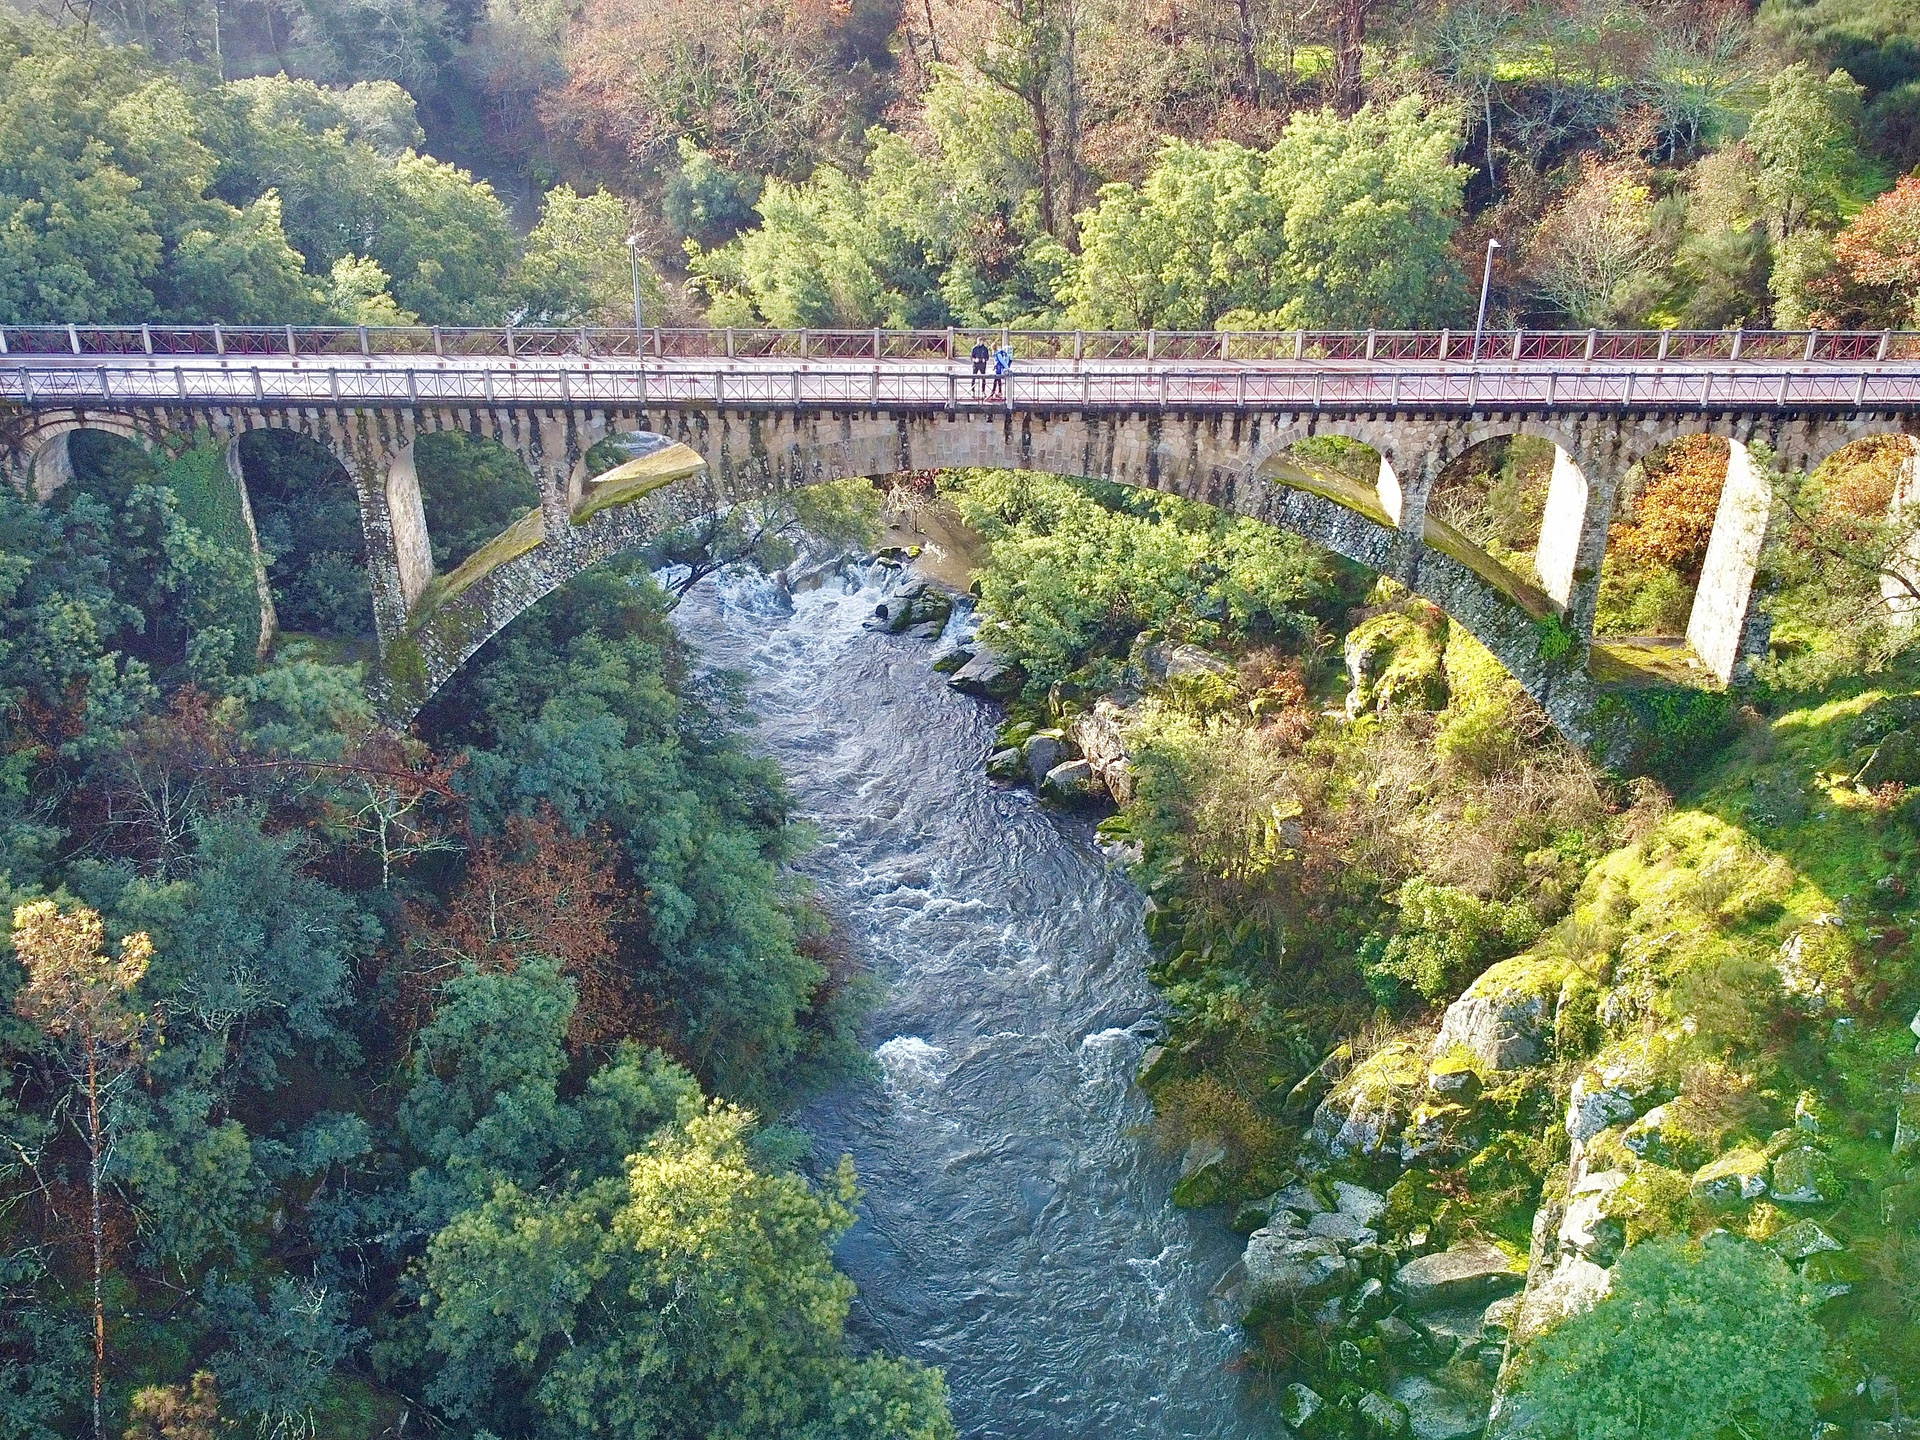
x,y
1804,1175
1503,1020
1365,1113
1733,1179
1394,663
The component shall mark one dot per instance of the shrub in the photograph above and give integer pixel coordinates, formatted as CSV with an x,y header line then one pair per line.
x,y
1446,937
1694,1342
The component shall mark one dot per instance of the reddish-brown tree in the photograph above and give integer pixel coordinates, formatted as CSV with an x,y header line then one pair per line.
x,y
540,890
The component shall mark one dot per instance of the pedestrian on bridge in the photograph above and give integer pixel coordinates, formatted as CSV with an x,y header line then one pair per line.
x,y
1002,367
980,356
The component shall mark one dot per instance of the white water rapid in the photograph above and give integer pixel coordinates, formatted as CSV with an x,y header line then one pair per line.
x,y
1016,1228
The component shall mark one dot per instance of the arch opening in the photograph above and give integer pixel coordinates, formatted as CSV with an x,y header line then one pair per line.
x,y
307,513
1657,545
473,491
184,562
1845,563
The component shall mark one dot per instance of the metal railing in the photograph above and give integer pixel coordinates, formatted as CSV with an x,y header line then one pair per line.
x,y
1151,346
923,386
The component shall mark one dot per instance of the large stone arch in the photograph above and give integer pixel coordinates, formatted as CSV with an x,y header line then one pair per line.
x,y
1241,475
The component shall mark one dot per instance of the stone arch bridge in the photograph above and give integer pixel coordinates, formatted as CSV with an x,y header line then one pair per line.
x,y
1210,428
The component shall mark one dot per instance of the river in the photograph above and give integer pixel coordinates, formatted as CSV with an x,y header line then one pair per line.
x,y
1016,1229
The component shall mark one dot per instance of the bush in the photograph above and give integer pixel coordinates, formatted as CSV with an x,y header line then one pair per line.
x,y
1696,1341
1446,937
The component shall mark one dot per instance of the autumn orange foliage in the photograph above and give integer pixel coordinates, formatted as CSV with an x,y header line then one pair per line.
x,y
539,890
1673,520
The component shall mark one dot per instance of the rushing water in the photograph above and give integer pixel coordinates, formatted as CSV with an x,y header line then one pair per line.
x,y
1016,1229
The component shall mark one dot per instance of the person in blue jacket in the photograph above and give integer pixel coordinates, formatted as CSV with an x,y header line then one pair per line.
x,y
1002,367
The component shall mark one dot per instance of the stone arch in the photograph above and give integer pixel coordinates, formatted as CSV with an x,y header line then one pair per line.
x,y
38,462
452,627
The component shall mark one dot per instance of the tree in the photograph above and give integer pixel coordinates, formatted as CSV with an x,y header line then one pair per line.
x,y
751,81
1597,255
1879,257
539,891
1696,1341
1200,237
1371,203
1805,140
84,1003
693,1294
576,269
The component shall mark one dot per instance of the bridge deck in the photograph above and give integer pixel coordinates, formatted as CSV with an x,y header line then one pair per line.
x,y
389,381
1424,371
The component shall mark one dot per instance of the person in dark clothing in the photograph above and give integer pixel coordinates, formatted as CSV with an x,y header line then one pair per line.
x,y
980,357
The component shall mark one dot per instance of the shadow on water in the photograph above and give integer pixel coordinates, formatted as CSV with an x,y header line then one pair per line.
x,y
1017,1228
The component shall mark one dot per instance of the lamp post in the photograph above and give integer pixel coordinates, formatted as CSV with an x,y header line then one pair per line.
x,y
639,321
1486,281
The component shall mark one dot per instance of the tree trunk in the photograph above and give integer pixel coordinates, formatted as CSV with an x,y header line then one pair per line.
x,y
1249,55
99,1241
1349,42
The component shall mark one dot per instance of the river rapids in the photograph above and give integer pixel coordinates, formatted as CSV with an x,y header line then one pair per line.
x,y
1016,1228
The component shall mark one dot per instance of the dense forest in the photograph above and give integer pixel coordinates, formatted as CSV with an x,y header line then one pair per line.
x,y
359,1081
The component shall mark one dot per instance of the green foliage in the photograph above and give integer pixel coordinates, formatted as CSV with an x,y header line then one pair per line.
x,y
1555,639
1805,138
1446,937
1344,223
1695,1342
576,269
576,707
692,1291
1079,568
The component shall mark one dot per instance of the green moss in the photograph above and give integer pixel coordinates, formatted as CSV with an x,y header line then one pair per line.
x,y
626,483
524,535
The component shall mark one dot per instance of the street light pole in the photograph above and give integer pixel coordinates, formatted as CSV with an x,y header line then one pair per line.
x,y
639,320
1486,281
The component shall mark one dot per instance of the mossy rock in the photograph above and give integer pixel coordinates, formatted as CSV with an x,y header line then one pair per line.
x,y
1394,663
1804,1175
1734,1179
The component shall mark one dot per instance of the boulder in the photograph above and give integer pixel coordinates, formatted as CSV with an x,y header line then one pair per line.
x,y
1338,1226
1804,1176
1895,760
1366,1206
1473,1270
1287,1266
1906,1119
1587,1227
1732,1179
1302,1409
1156,1065
1008,764
988,674
1801,1239
1100,734
1313,1086
1435,1413
1502,1019
1366,1111
1380,1415
1203,1174
1393,662
1453,1076
1072,782
1647,1137
1575,1284
1395,1333
1591,1109
1165,660
1298,1197
1044,750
